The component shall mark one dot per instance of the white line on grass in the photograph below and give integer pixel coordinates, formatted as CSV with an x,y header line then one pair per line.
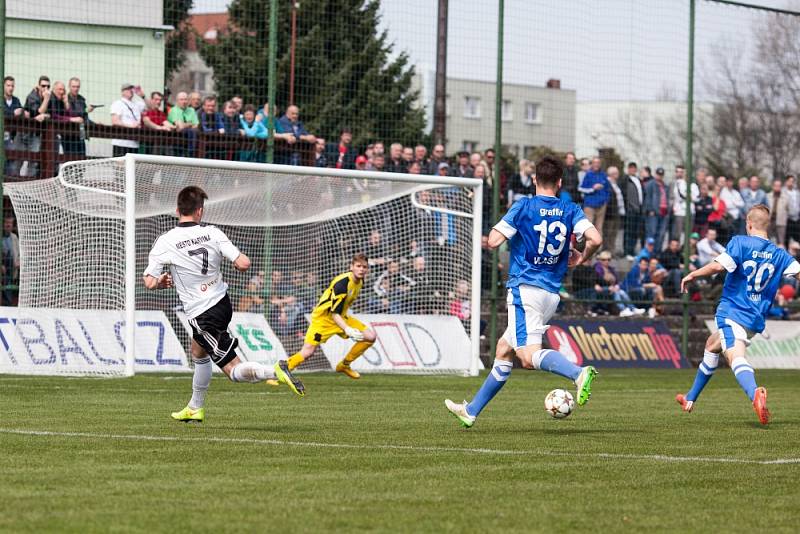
x,y
410,448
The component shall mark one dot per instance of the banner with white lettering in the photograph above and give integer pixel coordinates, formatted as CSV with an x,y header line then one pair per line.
x,y
257,341
53,341
628,343
408,343
778,347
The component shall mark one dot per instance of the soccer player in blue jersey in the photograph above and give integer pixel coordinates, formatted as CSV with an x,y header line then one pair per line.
x,y
755,267
540,231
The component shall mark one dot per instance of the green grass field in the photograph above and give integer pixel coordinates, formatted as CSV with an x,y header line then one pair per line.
x,y
382,454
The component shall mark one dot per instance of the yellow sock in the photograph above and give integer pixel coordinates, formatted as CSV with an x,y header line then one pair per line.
x,y
295,360
357,350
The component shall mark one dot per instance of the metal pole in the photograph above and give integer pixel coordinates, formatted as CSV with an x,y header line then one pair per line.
x,y
440,102
130,264
273,58
271,84
295,5
2,115
498,140
689,176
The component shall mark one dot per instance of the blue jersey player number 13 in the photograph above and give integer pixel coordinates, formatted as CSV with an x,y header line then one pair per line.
x,y
539,231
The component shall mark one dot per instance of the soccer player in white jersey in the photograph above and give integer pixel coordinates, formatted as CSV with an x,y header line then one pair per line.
x,y
539,230
755,267
193,253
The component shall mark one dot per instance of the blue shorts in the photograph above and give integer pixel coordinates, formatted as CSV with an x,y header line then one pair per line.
x,y
730,331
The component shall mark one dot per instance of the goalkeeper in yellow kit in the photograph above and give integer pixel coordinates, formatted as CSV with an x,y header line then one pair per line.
x,y
330,318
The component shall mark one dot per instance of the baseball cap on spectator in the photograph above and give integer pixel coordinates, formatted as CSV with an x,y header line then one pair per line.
x,y
660,171
463,153
694,235
360,160
127,85
443,165
650,241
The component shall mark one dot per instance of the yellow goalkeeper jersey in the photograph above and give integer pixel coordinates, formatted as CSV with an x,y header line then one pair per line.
x,y
341,293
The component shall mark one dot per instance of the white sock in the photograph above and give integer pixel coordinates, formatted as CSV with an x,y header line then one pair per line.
x,y
251,372
200,382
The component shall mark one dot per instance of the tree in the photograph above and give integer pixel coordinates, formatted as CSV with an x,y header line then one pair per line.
x,y
176,12
344,74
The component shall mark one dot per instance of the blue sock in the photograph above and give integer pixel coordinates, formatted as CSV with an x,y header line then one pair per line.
x,y
745,376
556,363
493,383
704,374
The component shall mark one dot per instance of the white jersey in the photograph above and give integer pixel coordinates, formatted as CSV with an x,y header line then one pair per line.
x,y
193,254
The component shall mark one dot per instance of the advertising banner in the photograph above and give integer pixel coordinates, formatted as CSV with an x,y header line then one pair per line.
x,y
408,343
778,347
63,341
257,341
616,343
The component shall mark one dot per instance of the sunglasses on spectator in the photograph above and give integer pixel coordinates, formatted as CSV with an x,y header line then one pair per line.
x,y
45,86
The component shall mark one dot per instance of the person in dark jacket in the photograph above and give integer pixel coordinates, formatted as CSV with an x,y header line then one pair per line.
x,y
521,184
570,181
657,200
342,155
633,225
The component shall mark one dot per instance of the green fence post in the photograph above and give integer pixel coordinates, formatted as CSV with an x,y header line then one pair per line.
x,y
689,177
498,139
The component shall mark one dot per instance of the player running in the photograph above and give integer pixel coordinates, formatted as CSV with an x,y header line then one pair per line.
x,y
193,253
539,230
330,318
755,267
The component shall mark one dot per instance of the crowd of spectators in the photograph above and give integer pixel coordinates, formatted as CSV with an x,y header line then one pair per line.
x,y
643,220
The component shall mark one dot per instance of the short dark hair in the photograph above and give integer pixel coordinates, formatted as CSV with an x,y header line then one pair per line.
x,y
549,171
679,166
156,93
249,107
8,79
632,164
346,129
210,98
359,257
489,150
43,78
191,199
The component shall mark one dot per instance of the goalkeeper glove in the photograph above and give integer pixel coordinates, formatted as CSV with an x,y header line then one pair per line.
x,y
354,334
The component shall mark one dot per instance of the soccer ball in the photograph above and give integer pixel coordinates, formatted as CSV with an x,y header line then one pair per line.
x,y
559,403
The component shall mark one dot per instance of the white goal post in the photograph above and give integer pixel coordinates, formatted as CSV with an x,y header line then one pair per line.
x,y
85,235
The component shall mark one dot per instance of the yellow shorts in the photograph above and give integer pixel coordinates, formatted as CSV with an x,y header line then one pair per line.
x,y
321,330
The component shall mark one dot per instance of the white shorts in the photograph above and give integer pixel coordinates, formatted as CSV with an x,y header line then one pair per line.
x,y
529,310
730,331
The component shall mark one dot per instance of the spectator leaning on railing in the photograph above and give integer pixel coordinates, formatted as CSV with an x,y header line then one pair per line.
x,y
72,144
125,113
12,108
37,105
342,155
291,123
255,129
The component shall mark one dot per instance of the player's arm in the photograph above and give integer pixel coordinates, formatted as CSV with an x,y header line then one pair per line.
x,y
710,269
338,297
506,228
240,261
154,278
593,243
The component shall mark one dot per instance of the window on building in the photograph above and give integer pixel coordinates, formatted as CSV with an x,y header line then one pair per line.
x,y
469,146
533,113
472,107
507,111
528,152
512,149
198,81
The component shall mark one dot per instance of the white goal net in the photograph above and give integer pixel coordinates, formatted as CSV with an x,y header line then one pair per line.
x,y
80,279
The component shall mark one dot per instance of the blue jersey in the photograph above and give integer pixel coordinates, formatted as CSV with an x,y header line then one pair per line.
x,y
539,230
755,267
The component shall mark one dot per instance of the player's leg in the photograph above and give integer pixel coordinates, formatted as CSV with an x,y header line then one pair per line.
x,y
746,377
299,357
357,349
705,371
467,412
540,306
194,412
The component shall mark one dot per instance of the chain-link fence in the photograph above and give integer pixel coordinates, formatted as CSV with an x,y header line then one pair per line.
x,y
438,87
